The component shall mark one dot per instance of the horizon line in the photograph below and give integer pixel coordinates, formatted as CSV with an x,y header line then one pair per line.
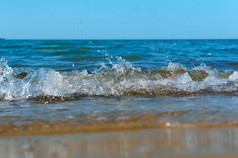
x,y
121,39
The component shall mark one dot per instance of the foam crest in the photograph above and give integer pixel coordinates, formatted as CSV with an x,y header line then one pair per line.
x,y
234,76
115,78
5,70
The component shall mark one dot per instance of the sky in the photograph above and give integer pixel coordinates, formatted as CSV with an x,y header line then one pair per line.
x,y
118,19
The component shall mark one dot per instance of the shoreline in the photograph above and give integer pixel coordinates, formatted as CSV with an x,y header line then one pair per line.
x,y
72,127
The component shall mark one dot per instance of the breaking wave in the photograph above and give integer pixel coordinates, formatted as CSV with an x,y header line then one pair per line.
x,y
116,78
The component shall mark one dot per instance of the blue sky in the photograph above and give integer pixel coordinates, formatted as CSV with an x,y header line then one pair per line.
x,y
118,19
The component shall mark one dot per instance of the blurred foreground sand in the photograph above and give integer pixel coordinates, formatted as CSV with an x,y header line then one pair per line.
x,y
167,143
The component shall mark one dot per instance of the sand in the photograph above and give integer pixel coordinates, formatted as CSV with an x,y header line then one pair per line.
x,y
150,142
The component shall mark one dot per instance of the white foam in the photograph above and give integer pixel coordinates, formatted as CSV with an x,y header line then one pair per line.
x,y
212,80
183,79
234,76
121,78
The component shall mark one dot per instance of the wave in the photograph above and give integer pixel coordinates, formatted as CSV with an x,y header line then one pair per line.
x,y
116,78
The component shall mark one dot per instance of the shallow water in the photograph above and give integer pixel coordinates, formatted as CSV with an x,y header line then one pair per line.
x,y
178,111
156,83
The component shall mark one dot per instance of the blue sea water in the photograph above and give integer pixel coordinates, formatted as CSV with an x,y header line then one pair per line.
x,y
119,78
71,55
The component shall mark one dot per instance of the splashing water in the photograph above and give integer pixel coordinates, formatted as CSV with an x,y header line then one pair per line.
x,y
117,78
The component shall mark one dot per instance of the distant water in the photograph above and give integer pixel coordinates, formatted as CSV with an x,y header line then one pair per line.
x,y
183,80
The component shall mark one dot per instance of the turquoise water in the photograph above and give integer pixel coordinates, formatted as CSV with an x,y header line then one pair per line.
x,y
61,79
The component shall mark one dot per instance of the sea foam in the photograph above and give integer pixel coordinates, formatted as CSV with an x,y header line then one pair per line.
x,y
116,78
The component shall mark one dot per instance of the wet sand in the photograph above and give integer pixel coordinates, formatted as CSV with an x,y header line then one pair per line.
x,y
168,143
38,127
126,137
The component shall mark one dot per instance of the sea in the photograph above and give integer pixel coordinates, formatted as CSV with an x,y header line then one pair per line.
x,y
145,83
